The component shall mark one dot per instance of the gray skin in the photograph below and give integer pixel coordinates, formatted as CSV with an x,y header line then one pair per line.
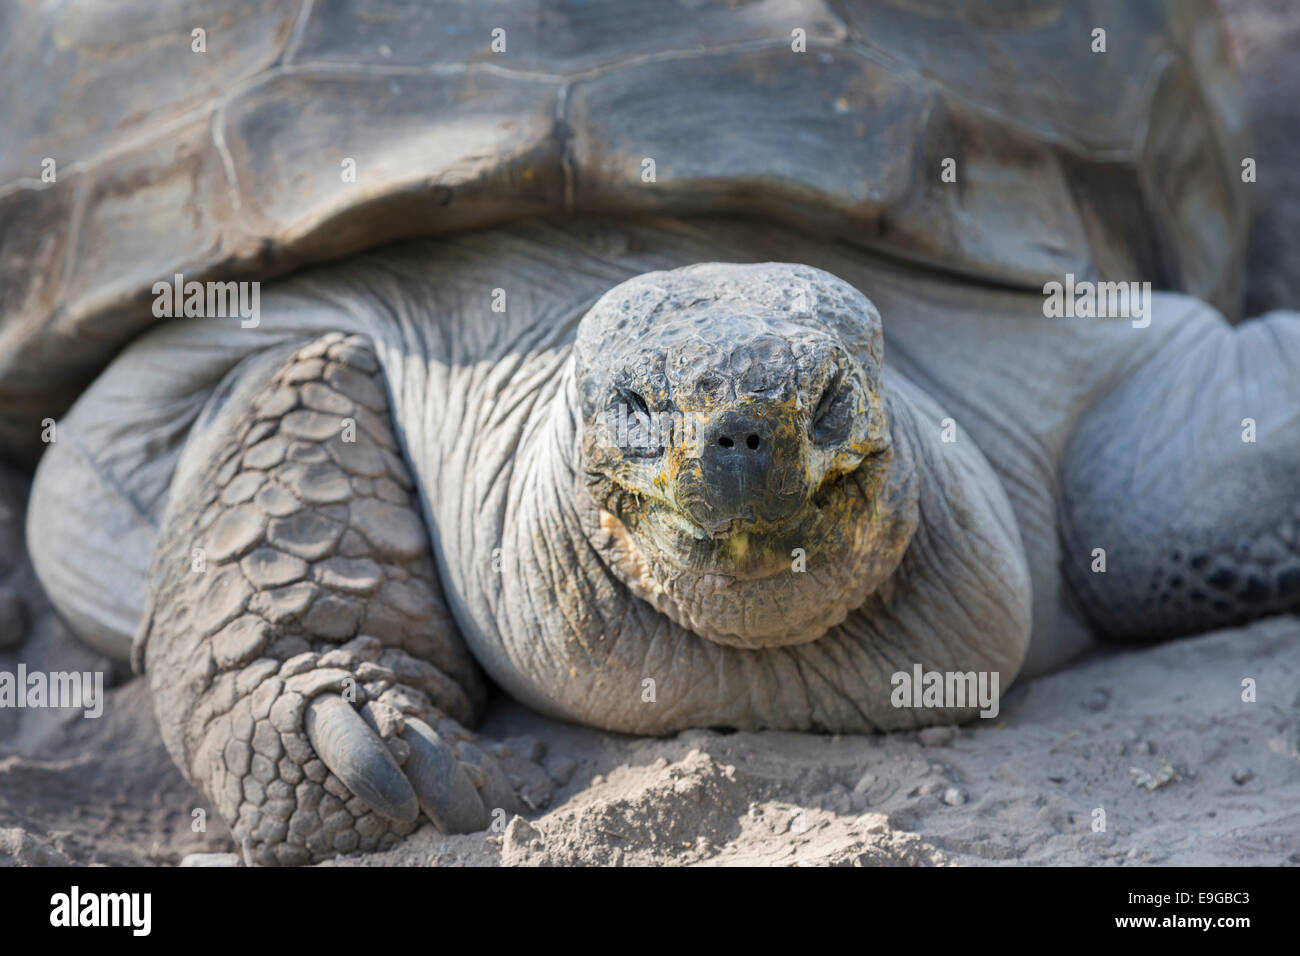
x,y
388,491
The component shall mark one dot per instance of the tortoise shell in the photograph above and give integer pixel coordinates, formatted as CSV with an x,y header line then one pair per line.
x,y
834,116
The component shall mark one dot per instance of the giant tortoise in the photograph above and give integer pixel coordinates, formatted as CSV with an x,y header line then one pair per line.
x,y
666,369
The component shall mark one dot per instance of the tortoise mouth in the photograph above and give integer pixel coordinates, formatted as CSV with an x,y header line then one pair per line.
x,y
749,587
819,532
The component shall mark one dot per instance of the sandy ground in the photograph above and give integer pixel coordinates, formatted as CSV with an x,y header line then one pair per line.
x,y
1158,738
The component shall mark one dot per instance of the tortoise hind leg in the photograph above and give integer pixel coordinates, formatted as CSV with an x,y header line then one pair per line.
x,y
1183,482
306,673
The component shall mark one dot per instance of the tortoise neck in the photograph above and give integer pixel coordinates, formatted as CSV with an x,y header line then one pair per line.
x,y
547,464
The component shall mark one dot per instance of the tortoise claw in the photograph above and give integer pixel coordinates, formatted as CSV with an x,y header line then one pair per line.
x,y
445,791
359,758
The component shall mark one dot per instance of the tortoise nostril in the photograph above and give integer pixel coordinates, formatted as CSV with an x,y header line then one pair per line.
x,y
751,440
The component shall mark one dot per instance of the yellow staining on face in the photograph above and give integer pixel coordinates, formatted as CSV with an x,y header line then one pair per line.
x,y
870,402
860,530
627,556
738,545
858,450
674,461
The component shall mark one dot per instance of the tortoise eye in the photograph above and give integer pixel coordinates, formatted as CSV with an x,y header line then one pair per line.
x,y
830,419
634,401
636,425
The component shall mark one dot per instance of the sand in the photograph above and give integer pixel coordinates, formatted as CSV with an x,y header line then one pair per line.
x,y
1159,739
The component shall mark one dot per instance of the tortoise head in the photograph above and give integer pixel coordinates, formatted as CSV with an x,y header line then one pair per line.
x,y
735,443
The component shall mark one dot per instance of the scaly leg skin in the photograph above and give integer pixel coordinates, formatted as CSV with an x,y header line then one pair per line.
x,y
1185,477
306,673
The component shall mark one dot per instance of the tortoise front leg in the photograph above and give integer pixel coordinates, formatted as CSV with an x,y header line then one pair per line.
x,y
306,673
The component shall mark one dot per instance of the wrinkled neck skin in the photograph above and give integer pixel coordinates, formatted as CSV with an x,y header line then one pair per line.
x,y
584,627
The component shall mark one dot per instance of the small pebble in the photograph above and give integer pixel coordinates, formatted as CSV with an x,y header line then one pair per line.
x,y
1243,776
954,797
520,834
1054,816
1096,701
937,736
560,769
